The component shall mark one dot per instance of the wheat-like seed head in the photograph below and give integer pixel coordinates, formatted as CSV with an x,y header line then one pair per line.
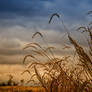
x,y
37,33
55,14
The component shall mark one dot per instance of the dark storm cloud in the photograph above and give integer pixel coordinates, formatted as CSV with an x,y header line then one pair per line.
x,y
35,10
39,7
30,8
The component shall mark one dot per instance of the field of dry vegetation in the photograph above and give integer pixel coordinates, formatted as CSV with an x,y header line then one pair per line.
x,y
21,89
56,77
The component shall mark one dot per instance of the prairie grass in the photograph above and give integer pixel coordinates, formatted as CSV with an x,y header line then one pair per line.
x,y
56,77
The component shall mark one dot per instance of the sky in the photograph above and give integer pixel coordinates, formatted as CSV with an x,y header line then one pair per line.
x,y
20,19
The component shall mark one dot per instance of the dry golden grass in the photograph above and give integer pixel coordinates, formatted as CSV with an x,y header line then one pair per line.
x,y
56,77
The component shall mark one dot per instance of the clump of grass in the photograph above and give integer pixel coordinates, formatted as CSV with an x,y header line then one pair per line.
x,y
55,76
84,58
52,68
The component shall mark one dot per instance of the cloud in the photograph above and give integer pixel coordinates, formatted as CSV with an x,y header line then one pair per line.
x,y
13,39
29,13
21,18
32,8
24,12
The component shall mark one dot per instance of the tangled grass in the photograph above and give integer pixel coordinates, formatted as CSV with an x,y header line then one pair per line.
x,y
56,78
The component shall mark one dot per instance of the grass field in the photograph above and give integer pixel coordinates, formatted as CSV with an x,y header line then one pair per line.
x,y
21,89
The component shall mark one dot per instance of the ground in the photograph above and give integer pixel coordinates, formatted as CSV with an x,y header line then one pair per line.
x,y
20,89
